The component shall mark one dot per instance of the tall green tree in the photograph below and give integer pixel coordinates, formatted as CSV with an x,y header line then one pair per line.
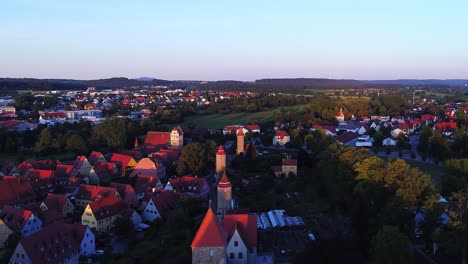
x,y
113,132
390,246
192,160
76,144
44,144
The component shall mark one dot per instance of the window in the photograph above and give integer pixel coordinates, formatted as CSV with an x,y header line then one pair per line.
x,y
211,252
236,243
240,255
231,255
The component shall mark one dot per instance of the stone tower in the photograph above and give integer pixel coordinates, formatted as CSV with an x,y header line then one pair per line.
x,y
220,160
240,141
209,243
177,137
223,190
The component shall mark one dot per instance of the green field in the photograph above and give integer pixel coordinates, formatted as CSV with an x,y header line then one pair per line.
x,y
436,172
218,121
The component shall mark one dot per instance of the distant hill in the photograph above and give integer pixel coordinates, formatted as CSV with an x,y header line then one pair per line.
x,y
416,82
68,84
145,79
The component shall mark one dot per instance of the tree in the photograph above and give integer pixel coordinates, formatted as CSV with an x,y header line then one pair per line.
x,y
113,131
390,246
44,143
76,144
426,133
439,147
192,160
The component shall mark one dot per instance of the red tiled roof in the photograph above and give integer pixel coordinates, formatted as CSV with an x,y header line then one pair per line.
x,y
446,126
144,183
246,225
224,182
164,201
120,160
63,171
107,207
210,233
53,244
52,115
40,174
14,218
94,156
122,188
11,123
192,186
91,192
145,167
157,138
220,150
252,127
13,191
102,167
281,134
289,162
172,153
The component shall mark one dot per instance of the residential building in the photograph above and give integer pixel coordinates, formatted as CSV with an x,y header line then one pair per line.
x,y
88,193
101,213
281,138
233,241
158,205
177,137
287,166
82,166
190,186
102,172
126,193
21,220
15,192
124,163
55,208
5,232
62,243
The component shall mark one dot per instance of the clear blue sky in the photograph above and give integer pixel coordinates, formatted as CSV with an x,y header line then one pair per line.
x,y
241,40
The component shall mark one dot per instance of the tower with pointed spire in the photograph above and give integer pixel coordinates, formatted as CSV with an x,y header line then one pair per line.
x,y
136,143
240,141
224,192
209,244
220,160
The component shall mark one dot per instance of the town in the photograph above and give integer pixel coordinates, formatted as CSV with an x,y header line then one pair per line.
x,y
132,175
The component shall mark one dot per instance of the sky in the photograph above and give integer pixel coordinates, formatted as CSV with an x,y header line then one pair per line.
x,y
234,40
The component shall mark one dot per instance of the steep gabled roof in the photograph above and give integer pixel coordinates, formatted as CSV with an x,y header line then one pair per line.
x,y
13,191
210,233
157,138
91,192
54,244
144,183
145,167
289,162
246,225
107,207
94,156
120,160
122,188
63,170
164,201
14,218
281,134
